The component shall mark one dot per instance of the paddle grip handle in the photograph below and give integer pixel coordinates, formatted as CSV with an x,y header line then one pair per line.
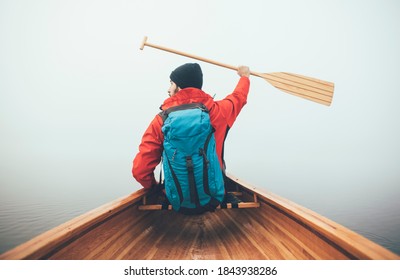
x,y
143,43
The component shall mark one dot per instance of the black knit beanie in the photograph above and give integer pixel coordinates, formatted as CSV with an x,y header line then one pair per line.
x,y
188,75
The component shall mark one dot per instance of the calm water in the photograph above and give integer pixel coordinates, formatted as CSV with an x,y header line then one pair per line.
x,y
24,216
22,219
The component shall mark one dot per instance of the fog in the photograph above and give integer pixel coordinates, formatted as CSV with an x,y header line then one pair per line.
x,y
76,95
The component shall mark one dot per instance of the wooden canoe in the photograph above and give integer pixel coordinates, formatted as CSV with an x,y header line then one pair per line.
x,y
277,229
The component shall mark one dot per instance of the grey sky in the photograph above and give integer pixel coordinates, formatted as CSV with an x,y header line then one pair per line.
x,y
76,93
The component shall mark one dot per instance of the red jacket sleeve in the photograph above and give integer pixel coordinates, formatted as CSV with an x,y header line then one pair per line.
x,y
231,105
149,155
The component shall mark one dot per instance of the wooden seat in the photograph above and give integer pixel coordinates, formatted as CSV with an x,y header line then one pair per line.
x,y
231,202
222,206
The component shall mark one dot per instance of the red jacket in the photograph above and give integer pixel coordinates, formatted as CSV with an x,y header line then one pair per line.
x,y
223,114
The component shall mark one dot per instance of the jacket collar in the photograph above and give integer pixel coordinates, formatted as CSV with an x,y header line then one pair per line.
x,y
188,95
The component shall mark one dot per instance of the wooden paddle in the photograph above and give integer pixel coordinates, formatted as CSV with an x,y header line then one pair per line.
x,y
309,88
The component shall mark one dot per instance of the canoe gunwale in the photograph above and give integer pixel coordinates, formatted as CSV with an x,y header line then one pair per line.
x,y
350,243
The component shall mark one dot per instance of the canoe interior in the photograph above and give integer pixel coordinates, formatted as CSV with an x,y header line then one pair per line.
x,y
278,229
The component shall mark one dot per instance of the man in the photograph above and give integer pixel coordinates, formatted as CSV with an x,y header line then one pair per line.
x,y
186,83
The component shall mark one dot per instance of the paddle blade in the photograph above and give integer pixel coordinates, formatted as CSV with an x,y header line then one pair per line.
x,y
309,88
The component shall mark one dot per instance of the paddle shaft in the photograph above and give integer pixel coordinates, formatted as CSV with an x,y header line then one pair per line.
x,y
145,43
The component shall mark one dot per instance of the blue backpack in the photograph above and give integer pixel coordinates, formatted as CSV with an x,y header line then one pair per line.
x,y
193,178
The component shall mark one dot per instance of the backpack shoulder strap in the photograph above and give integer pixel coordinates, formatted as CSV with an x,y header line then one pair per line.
x,y
164,114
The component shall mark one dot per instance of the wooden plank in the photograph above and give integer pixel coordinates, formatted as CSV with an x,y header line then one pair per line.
x,y
241,205
227,206
237,193
154,207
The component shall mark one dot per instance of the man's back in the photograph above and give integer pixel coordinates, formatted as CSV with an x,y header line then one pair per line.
x,y
223,114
